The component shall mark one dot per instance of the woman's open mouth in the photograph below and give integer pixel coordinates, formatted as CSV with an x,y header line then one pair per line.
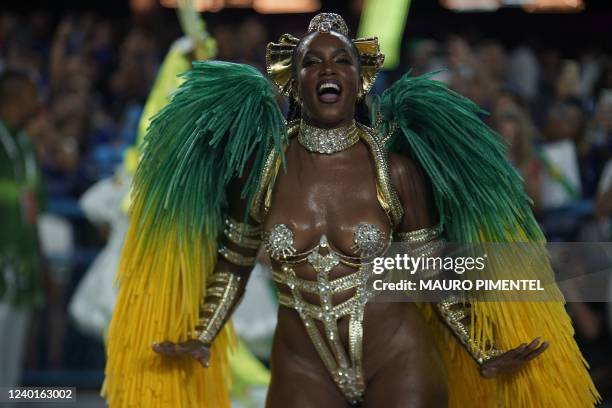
x,y
329,91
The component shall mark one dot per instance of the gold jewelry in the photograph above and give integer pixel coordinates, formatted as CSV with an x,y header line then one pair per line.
x,y
328,141
326,22
386,193
453,312
242,240
421,236
235,257
297,99
241,234
345,368
279,56
242,228
220,301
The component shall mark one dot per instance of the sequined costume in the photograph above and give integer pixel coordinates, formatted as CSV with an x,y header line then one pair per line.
x,y
368,241
224,123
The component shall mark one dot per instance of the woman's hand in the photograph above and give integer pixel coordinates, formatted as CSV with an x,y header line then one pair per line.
x,y
513,360
190,348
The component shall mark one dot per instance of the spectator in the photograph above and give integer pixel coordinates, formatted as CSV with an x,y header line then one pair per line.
x,y
20,263
519,133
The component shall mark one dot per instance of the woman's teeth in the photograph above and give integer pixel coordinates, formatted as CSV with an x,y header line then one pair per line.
x,y
329,87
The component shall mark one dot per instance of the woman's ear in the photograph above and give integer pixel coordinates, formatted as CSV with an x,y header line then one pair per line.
x,y
360,90
295,93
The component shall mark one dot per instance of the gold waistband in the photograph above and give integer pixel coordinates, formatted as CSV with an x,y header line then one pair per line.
x,y
318,312
335,286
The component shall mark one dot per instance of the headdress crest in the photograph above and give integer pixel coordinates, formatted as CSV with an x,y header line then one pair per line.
x,y
279,55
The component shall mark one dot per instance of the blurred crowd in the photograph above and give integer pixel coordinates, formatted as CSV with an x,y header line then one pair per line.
x,y
93,77
555,114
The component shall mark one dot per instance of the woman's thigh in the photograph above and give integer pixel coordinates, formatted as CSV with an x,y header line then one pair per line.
x,y
409,380
299,387
408,372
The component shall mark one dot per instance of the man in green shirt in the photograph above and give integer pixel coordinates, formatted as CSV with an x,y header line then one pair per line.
x,y
20,262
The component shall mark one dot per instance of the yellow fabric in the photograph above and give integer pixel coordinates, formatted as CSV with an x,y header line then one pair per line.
x,y
557,378
161,281
386,21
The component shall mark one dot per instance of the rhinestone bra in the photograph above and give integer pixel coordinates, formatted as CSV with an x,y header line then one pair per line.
x,y
368,242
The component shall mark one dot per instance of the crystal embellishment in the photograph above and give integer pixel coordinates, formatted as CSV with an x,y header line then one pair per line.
x,y
279,242
368,240
328,141
345,366
326,22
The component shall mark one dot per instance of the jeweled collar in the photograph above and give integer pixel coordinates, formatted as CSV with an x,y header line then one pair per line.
x,y
328,141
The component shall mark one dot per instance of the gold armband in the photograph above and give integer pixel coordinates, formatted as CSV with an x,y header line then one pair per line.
x,y
241,234
235,257
454,312
221,299
421,236
423,243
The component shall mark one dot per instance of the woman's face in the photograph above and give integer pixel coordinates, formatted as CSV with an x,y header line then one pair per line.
x,y
328,81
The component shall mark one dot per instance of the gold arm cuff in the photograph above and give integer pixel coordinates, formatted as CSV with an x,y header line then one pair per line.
x,y
427,249
242,228
420,236
241,240
454,321
219,303
216,291
424,243
235,257
220,278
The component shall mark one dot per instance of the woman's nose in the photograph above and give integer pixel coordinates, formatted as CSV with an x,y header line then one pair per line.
x,y
328,68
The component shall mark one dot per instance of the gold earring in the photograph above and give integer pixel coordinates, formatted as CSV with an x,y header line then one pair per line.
x,y
296,98
294,94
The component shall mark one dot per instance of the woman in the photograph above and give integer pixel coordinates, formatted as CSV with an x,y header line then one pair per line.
x,y
517,130
323,202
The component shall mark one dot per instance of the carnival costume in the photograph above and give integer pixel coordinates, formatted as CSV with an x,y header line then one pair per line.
x,y
225,118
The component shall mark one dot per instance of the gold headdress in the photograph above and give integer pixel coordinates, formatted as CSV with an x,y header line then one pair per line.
x,y
279,56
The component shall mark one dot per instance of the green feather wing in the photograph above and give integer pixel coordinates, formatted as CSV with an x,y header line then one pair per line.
x,y
480,198
220,122
222,116
474,185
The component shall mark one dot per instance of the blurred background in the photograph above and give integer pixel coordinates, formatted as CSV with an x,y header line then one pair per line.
x,y
543,69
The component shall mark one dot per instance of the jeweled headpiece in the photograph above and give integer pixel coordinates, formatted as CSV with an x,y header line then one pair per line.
x,y
279,56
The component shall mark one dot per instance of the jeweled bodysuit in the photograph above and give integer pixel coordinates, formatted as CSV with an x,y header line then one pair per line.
x,y
368,241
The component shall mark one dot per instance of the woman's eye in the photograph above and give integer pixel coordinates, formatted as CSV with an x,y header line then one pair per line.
x,y
308,63
345,61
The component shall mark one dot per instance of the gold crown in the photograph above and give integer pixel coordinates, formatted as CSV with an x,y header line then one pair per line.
x,y
326,22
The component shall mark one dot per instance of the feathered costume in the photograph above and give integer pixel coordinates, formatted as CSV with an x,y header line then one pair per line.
x,y
224,115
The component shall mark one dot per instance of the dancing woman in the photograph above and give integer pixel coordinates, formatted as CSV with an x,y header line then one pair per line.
x,y
324,193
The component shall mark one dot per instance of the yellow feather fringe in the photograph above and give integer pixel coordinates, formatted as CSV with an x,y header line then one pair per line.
x,y
558,378
160,287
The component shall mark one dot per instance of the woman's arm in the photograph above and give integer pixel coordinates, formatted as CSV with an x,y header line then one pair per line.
x,y
418,228
238,247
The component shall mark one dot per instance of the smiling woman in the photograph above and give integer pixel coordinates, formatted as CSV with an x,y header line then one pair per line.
x,y
324,195
327,79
